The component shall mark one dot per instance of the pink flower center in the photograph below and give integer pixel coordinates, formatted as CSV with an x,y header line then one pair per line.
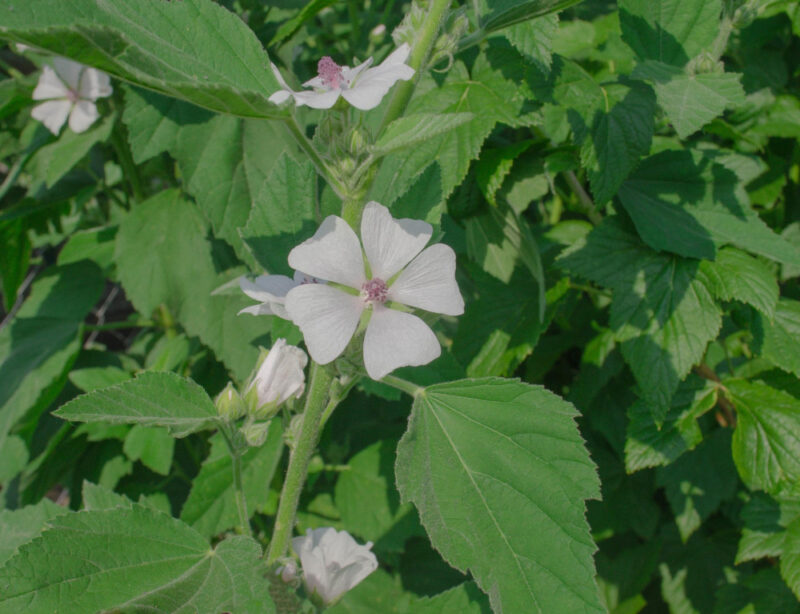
x,y
374,291
72,95
330,72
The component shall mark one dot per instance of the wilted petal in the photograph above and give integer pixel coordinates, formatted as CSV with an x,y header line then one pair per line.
x,y
52,114
267,288
397,339
49,86
94,84
429,282
327,317
333,254
69,71
317,100
390,244
83,115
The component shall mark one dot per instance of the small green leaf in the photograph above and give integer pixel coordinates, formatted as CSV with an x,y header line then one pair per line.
x,y
152,446
152,399
763,592
534,39
18,527
309,11
413,129
766,443
504,13
736,276
765,521
778,339
459,463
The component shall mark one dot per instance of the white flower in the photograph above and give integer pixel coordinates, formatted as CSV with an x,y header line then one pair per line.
x,y
333,562
328,316
362,87
279,377
270,291
70,91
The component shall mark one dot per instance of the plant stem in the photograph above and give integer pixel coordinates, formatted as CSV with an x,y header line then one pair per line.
x,y
14,172
404,385
316,401
319,163
238,488
419,55
120,144
587,204
118,325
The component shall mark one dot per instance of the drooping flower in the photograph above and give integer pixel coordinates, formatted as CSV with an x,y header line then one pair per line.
x,y
69,89
400,272
270,291
279,377
333,562
361,86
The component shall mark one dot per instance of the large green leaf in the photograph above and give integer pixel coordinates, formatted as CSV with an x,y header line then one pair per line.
x,y
211,505
663,312
39,346
413,129
534,39
479,456
163,256
670,31
224,161
766,443
778,338
765,521
691,100
134,559
18,527
684,203
152,399
193,49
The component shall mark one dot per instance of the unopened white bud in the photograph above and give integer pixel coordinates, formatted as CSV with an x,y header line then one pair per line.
x,y
279,377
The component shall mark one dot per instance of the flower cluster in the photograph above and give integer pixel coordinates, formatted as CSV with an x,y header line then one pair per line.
x,y
361,86
70,90
372,287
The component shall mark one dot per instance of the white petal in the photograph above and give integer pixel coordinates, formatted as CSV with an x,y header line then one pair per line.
x,y
317,100
280,374
315,82
52,114
429,282
391,244
279,77
397,339
327,317
83,115
365,98
69,71
350,74
264,309
398,56
49,86
267,287
280,97
94,84
333,253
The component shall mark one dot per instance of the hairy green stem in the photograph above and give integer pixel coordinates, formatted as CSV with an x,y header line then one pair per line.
x,y
316,402
238,486
409,388
319,163
419,55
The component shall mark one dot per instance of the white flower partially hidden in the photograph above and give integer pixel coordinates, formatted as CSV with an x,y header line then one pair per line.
x,y
328,316
361,86
70,91
279,377
270,291
333,562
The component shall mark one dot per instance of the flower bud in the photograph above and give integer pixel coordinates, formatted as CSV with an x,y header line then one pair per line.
x,y
279,377
288,571
377,33
255,434
230,405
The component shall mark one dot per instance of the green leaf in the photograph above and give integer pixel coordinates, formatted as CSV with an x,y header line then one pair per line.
x,y
96,245
370,478
18,527
790,558
224,161
211,506
194,49
152,399
534,39
618,137
761,593
699,481
133,559
55,160
691,100
670,31
96,497
290,27
663,313
152,446
766,442
91,378
39,346
283,215
765,521
459,463
648,445
14,259
684,203
163,256
777,340
413,129
736,276
506,13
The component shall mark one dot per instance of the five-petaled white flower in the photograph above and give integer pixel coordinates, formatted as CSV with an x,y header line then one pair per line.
x,y
395,271
270,291
279,377
333,562
70,91
362,87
